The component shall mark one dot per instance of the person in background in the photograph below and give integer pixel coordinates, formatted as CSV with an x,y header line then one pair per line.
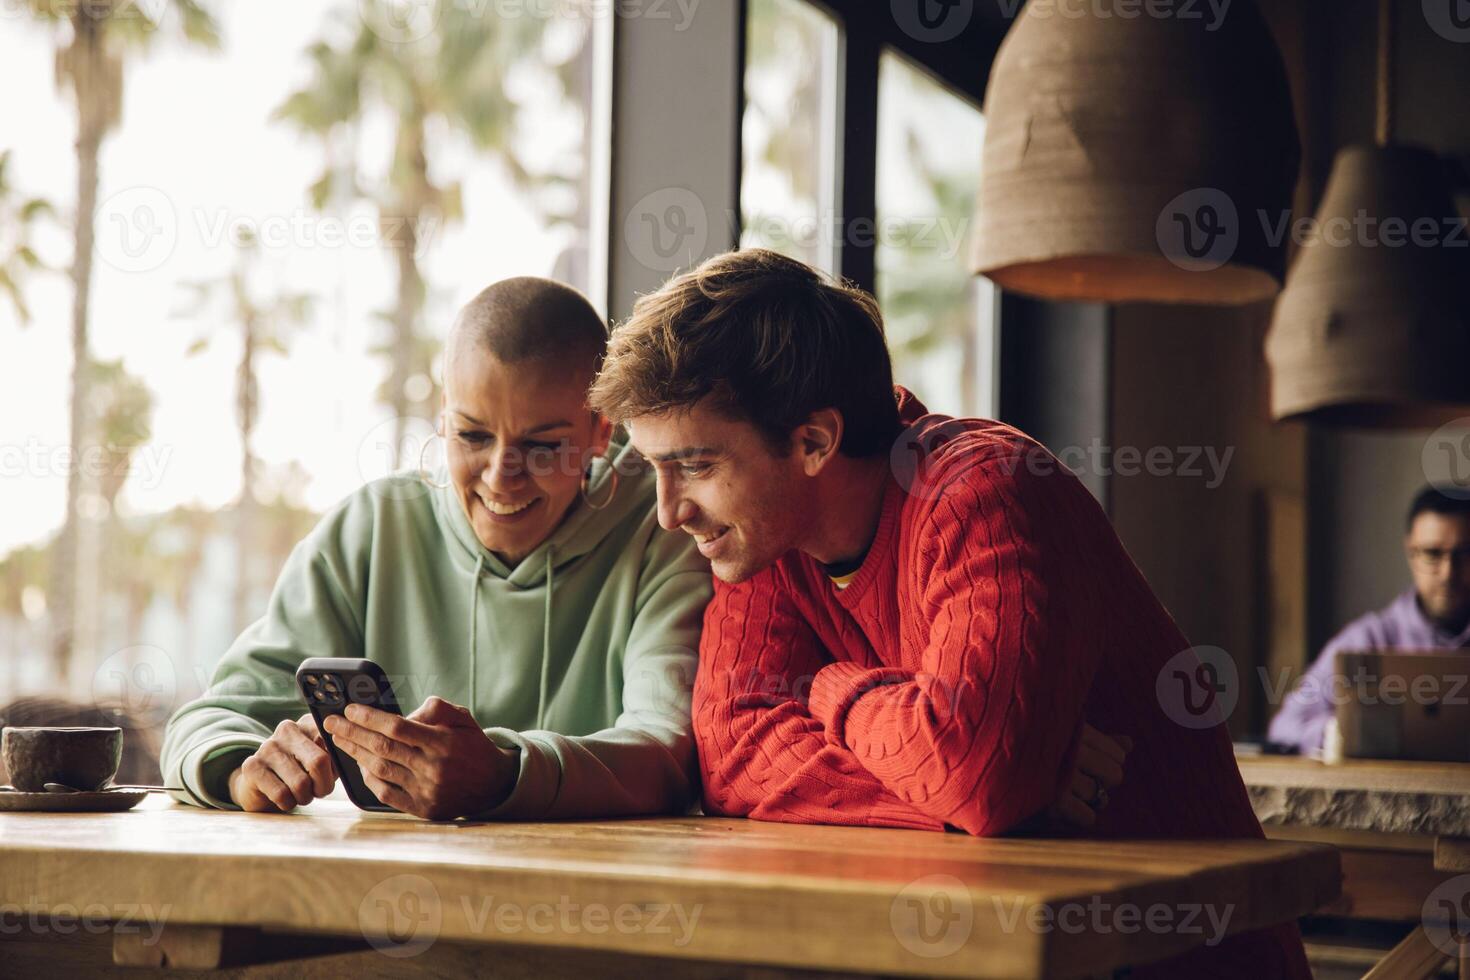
x,y
1433,615
523,602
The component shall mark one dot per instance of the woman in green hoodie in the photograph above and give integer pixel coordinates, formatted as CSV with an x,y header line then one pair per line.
x,y
523,601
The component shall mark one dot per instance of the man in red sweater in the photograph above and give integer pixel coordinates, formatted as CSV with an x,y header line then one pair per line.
x,y
916,618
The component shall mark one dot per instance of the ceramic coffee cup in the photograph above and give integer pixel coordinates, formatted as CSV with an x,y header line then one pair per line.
x,y
82,758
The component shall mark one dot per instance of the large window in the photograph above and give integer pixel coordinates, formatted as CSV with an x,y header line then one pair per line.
x,y
790,130
292,198
940,318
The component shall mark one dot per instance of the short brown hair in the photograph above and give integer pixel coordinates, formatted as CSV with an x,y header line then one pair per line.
x,y
769,339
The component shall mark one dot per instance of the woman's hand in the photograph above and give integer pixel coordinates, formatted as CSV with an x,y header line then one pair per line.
x,y
290,769
1097,769
436,763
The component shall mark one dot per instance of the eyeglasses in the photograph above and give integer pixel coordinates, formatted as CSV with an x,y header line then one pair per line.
x,y
1433,559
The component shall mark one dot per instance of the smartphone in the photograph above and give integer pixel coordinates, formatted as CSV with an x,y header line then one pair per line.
x,y
329,685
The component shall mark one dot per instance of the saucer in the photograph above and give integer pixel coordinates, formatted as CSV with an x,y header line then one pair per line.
x,y
99,801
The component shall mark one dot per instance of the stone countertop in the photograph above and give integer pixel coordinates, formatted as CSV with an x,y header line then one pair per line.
x,y
1431,798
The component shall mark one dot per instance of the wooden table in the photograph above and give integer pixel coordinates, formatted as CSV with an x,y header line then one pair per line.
x,y
1401,827
689,896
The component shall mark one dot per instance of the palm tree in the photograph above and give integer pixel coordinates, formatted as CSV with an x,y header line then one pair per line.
x,y
119,411
93,40
264,326
18,218
455,77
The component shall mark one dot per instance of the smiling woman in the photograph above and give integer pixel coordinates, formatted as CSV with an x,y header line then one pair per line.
x,y
566,694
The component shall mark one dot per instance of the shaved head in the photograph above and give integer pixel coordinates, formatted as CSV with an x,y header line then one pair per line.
x,y
530,319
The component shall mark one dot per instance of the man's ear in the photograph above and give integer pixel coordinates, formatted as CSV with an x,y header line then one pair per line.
x,y
816,440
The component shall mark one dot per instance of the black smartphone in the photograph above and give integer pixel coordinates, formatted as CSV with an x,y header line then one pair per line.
x,y
329,685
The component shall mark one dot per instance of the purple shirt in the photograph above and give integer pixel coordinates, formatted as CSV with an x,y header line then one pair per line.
x,y
1400,625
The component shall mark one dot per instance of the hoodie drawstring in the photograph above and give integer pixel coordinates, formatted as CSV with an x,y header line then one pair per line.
x,y
474,626
545,637
545,648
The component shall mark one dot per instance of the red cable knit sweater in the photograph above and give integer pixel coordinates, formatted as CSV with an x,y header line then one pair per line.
x,y
947,684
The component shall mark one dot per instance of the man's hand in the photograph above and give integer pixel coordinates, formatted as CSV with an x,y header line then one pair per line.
x,y
1097,769
437,763
290,769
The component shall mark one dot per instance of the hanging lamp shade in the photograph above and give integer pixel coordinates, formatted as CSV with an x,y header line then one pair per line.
x,y
1130,158
1373,327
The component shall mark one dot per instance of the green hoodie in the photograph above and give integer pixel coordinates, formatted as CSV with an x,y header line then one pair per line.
x,y
582,656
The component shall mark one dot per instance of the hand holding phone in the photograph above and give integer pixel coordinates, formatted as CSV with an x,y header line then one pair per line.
x,y
329,685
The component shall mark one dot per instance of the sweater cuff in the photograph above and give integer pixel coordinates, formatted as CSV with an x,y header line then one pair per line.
x,y
837,687
537,783
204,771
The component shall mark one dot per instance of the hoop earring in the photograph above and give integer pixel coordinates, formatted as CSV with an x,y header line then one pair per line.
x,y
423,473
616,478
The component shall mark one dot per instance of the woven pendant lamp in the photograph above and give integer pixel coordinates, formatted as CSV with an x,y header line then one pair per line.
x,y
1129,159
1373,327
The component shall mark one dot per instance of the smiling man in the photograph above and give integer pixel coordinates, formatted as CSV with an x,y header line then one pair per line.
x,y
917,617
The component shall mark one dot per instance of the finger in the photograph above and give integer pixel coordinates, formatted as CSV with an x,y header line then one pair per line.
x,y
1105,744
375,765
308,726
247,796
1084,787
394,796
438,711
378,744
397,728
311,755
268,784
279,760
1100,767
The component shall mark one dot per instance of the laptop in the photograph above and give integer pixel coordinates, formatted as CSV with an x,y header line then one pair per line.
x,y
1403,704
